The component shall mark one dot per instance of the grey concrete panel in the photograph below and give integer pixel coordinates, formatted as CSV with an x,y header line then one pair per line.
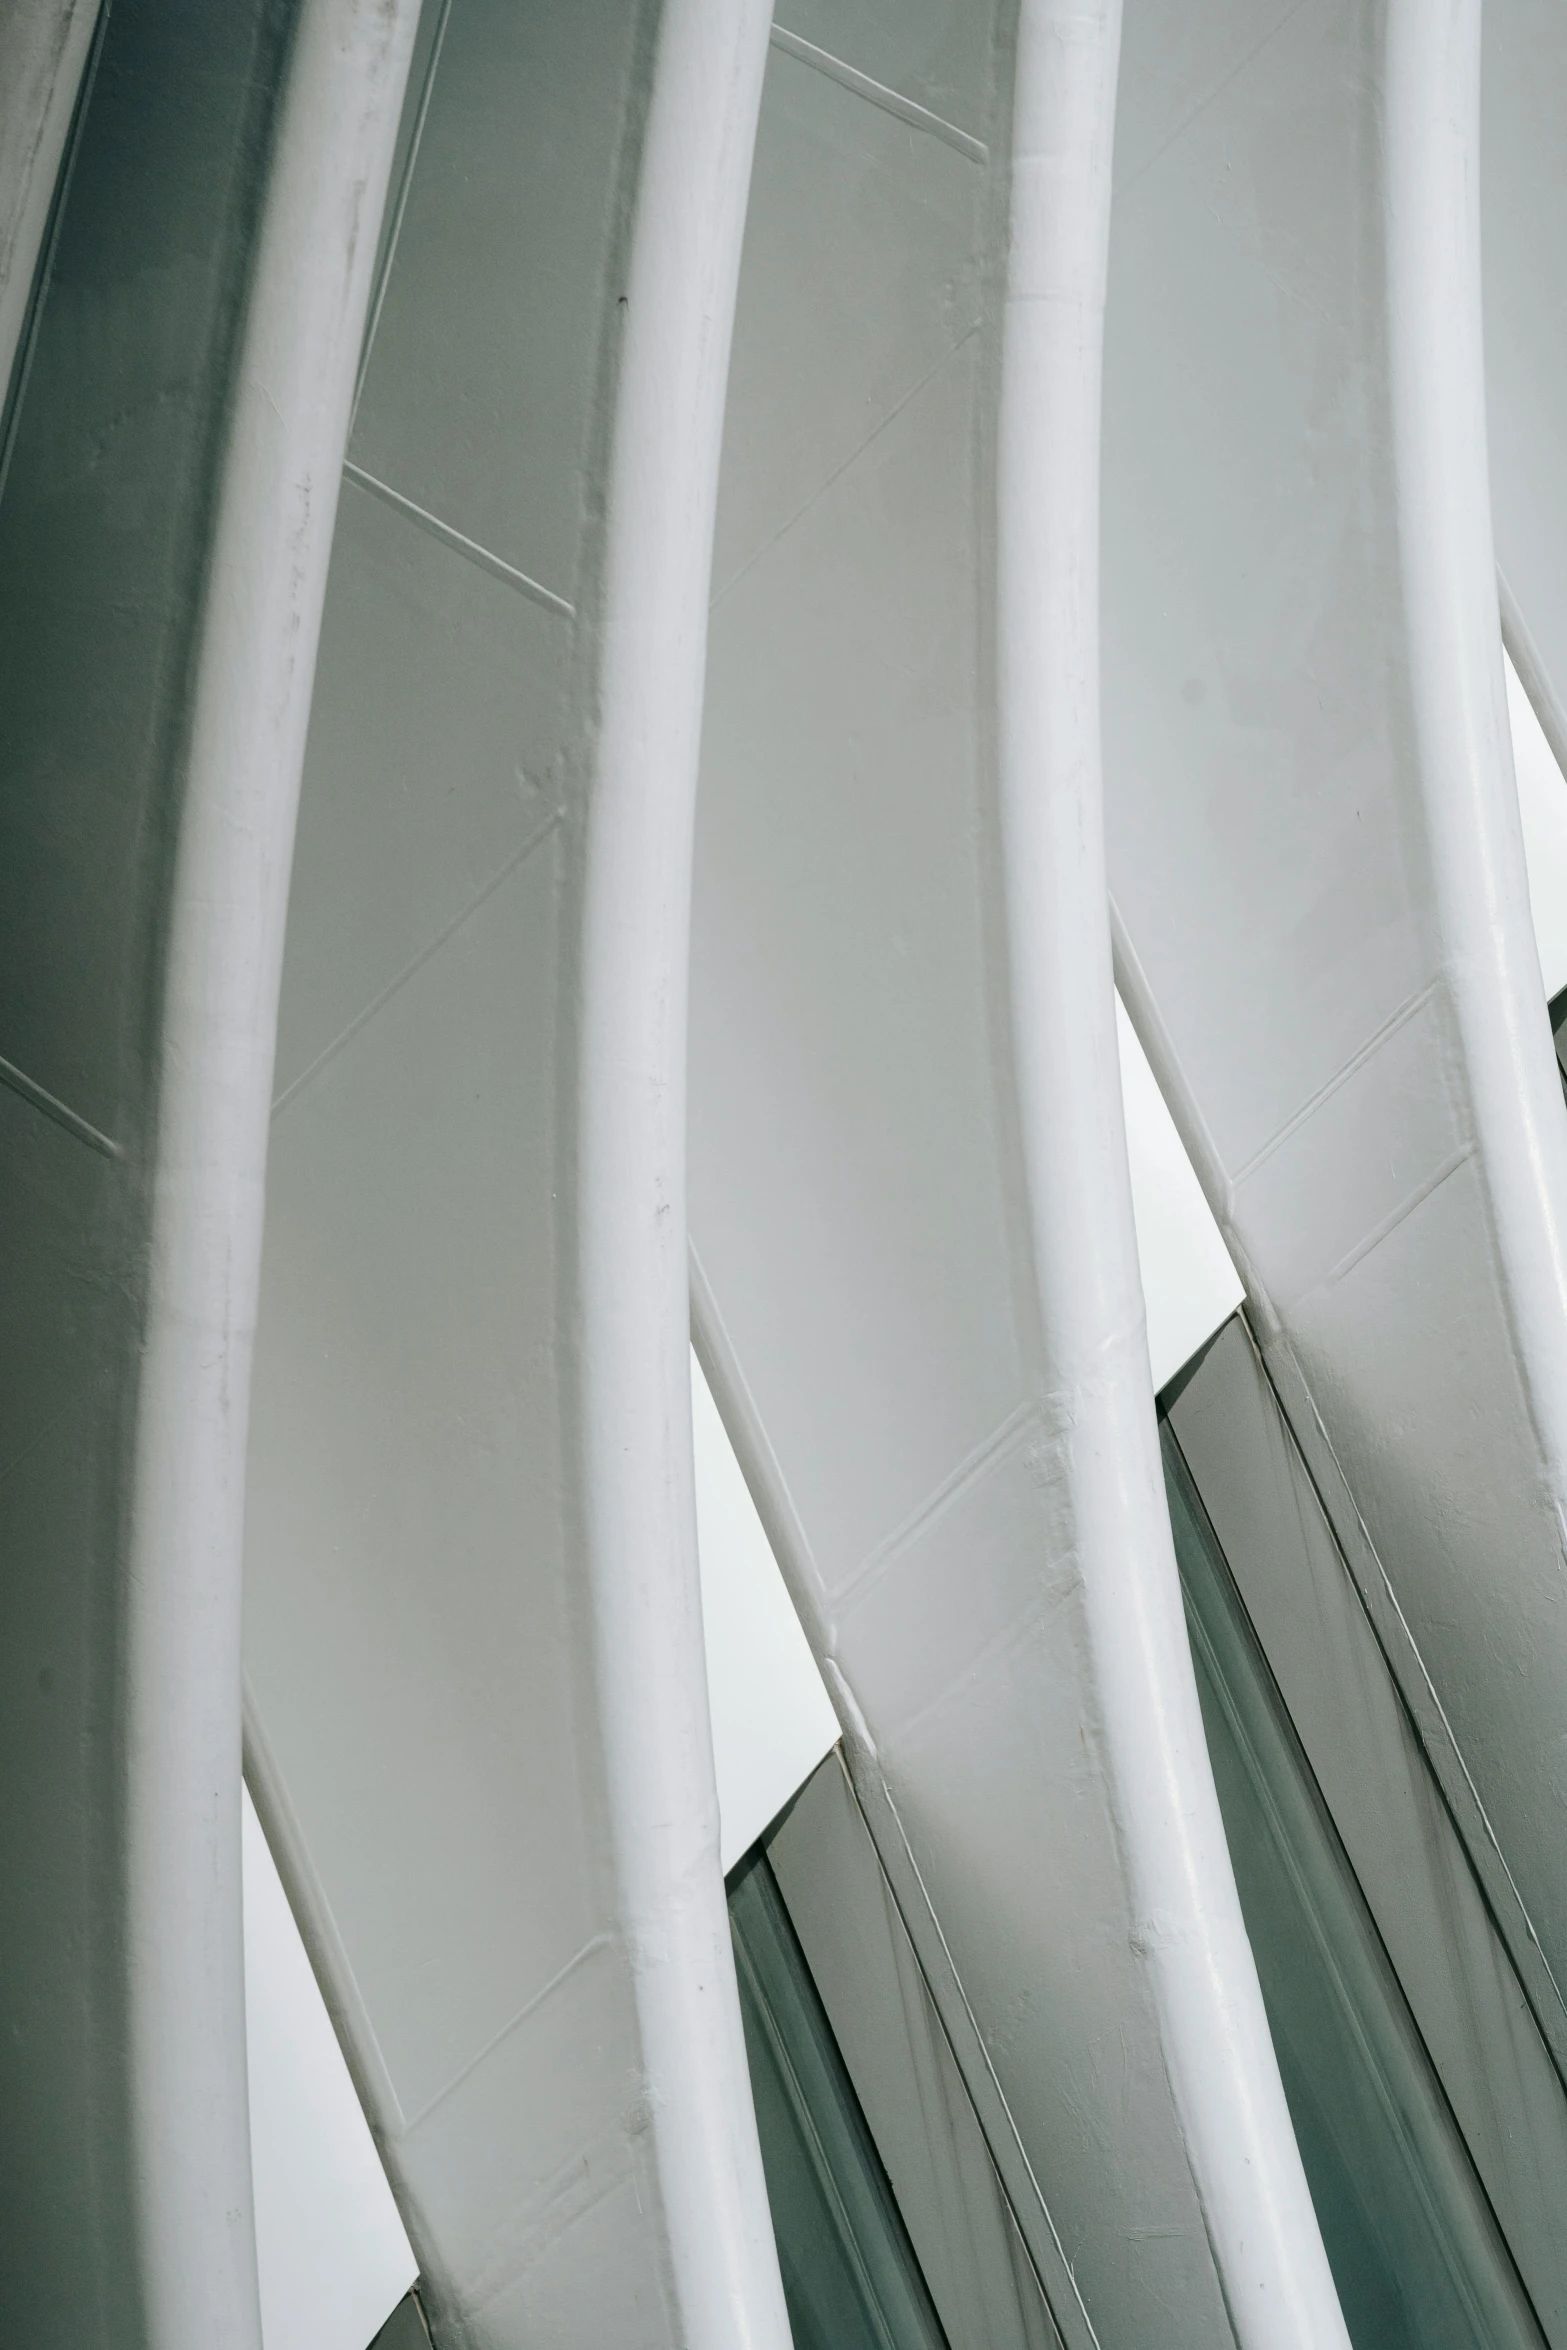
x,y
935,52
904,2072
842,313
429,37
841,697
1366,1153
1254,711
503,2201
480,388
408,1582
1410,1864
589,2286
1175,60
434,736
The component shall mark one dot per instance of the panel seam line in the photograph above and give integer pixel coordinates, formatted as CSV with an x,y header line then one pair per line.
x,y
459,542
893,102
330,1051
70,1121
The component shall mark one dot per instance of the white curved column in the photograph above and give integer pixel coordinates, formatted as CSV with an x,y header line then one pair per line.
x,y
249,712
635,1378
1103,1454
928,1424
43,51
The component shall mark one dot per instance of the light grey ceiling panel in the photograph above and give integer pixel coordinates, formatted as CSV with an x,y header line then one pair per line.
x,y
867,1296
841,698
1523,192
1316,857
1167,81
833,184
440,707
1246,465
405,1412
488,342
1450,1960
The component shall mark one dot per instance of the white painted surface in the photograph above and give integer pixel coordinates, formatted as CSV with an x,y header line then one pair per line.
x,y
772,1718
1190,1286
639,1508
1542,804
333,2257
1100,1451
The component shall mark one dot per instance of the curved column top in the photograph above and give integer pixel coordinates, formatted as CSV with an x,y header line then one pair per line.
x,y
1316,858
1103,1453
250,706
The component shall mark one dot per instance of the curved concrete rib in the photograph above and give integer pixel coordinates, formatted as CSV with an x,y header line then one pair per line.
x,y
1315,852
43,52
477,1716
1102,1454
915,1285
171,493
639,1493
250,706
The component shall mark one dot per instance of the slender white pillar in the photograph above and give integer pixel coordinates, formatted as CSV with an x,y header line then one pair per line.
x,y
636,1394
1187,1920
249,710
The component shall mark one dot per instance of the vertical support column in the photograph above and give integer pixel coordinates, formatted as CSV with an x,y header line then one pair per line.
x,y
1105,1461
636,1409
249,708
